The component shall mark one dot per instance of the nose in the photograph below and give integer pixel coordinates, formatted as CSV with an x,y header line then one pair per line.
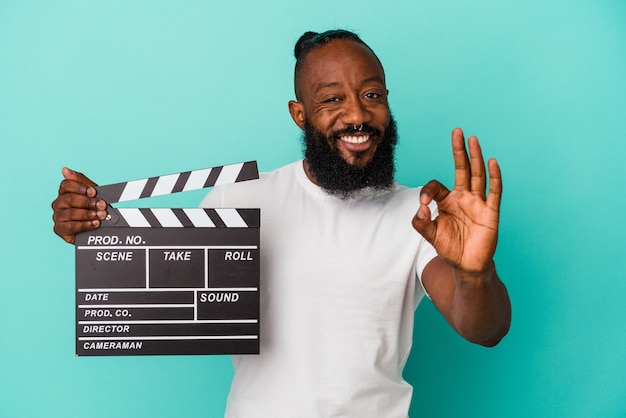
x,y
355,112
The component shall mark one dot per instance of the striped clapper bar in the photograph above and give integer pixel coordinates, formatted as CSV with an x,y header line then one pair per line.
x,y
170,281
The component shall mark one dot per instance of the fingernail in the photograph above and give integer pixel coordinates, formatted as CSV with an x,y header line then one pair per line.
x,y
101,214
101,205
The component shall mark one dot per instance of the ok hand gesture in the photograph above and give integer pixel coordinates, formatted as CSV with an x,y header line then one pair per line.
x,y
466,231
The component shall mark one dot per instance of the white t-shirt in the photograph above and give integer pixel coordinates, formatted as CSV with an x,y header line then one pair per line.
x,y
338,295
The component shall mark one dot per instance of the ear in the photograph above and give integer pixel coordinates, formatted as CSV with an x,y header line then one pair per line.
x,y
296,109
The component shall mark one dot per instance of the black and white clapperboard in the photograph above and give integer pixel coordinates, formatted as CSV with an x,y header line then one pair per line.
x,y
170,281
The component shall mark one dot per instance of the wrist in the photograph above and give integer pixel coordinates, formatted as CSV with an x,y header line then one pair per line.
x,y
476,279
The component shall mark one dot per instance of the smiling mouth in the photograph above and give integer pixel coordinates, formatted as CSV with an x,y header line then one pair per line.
x,y
355,139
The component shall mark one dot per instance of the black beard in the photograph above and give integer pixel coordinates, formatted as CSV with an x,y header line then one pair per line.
x,y
339,178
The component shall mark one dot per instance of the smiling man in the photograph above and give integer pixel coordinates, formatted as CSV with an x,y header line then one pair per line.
x,y
348,129
348,253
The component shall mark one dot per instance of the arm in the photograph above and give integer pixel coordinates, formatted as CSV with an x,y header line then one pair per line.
x,y
76,209
477,306
462,281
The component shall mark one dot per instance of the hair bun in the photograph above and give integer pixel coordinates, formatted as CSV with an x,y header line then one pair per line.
x,y
301,44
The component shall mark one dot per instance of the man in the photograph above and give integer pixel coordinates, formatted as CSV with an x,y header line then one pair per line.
x,y
344,248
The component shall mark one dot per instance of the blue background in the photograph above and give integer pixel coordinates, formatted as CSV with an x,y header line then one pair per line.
x,y
125,90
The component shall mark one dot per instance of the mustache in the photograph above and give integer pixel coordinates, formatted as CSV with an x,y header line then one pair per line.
x,y
353,129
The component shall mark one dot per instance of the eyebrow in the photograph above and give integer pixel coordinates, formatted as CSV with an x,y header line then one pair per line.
x,y
374,78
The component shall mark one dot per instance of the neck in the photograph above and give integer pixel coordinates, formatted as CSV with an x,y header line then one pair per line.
x,y
308,173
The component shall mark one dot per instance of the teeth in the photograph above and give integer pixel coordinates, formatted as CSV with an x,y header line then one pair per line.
x,y
355,139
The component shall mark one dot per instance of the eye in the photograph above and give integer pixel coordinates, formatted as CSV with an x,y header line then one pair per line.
x,y
372,95
331,100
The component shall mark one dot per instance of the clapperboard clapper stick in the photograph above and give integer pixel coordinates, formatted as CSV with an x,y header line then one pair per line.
x,y
161,281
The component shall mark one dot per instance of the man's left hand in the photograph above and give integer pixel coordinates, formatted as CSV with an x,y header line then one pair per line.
x,y
466,231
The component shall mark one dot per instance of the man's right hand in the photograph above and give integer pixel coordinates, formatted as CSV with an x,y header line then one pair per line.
x,y
76,209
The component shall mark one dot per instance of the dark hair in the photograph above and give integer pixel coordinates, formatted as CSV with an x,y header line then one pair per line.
x,y
310,41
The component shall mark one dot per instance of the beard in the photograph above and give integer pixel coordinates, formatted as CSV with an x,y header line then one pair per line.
x,y
339,178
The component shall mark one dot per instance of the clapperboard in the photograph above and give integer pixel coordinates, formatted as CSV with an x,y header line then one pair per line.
x,y
170,281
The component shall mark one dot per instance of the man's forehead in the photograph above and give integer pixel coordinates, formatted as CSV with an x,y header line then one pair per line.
x,y
341,57
340,51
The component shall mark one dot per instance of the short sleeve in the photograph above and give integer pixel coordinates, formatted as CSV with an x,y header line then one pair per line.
x,y
426,252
